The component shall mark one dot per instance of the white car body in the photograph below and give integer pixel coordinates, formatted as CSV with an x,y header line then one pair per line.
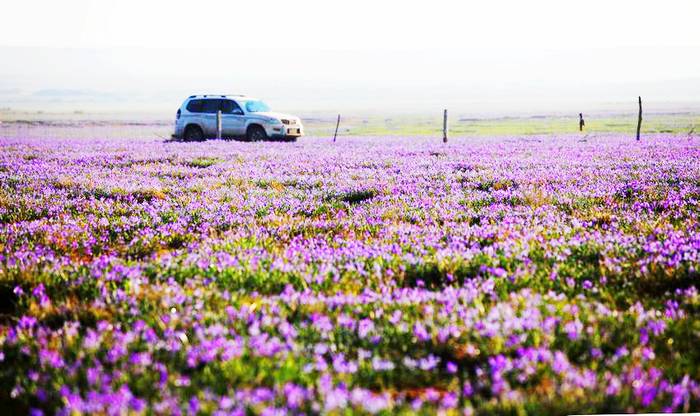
x,y
240,116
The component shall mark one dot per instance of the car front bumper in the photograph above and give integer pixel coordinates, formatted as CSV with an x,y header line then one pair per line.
x,y
285,130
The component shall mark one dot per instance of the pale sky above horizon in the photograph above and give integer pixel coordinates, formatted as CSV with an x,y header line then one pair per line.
x,y
500,51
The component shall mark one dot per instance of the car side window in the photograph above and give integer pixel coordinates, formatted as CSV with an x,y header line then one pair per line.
x,y
194,106
210,106
230,107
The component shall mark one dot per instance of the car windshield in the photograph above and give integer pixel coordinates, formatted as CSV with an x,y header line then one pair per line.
x,y
256,106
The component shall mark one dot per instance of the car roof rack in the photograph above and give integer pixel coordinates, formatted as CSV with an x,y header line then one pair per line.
x,y
216,95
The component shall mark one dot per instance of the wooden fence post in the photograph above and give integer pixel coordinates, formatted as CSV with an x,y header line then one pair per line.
x,y
218,125
336,128
444,127
639,120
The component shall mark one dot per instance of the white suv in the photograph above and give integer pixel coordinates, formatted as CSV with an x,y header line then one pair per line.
x,y
241,116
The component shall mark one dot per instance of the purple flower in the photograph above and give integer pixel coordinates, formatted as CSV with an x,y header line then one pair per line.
x,y
27,322
336,398
137,404
193,404
420,332
295,395
39,293
573,329
451,367
364,327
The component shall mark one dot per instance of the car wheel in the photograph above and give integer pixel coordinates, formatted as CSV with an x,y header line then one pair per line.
x,y
256,134
194,134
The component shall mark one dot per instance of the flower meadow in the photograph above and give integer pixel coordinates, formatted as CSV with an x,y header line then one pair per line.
x,y
497,275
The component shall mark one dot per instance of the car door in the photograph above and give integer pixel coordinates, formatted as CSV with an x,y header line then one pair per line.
x,y
210,106
193,115
232,119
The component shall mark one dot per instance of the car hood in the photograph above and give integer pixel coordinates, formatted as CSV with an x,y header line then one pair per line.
x,y
272,114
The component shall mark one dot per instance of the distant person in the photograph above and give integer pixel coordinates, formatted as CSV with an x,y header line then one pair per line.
x,y
581,123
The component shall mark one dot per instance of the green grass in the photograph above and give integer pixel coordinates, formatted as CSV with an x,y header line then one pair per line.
x,y
460,125
202,162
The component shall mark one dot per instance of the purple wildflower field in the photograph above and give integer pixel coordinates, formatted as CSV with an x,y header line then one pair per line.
x,y
500,275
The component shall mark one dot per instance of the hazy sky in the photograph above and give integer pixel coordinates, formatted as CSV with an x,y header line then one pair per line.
x,y
358,55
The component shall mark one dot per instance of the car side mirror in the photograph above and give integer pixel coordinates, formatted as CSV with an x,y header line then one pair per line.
x,y
237,111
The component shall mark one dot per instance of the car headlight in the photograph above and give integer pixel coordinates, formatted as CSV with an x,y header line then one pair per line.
x,y
273,121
